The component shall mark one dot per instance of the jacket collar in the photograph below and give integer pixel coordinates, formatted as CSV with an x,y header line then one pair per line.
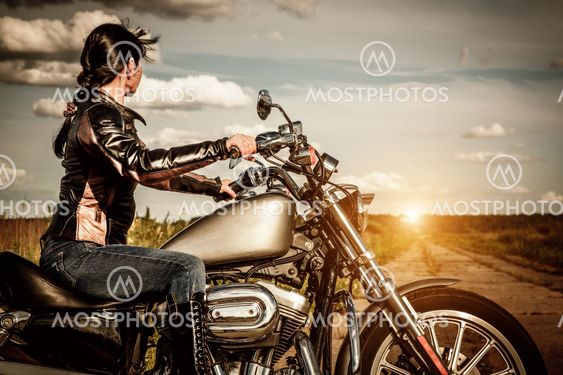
x,y
128,114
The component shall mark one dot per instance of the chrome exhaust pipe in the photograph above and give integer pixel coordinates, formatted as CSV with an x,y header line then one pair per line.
x,y
306,354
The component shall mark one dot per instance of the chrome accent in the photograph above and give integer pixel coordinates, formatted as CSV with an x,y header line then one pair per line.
x,y
240,313
306,354
288,298
14,321
353,330
294,309
490,338
218,369
336,194
254,228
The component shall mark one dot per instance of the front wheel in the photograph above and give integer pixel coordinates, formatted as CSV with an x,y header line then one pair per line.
x,y
474,336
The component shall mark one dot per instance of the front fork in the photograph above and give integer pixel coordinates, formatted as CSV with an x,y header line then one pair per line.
x,y
399,312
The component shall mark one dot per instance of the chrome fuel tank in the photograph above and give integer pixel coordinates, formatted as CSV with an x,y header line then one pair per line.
x,y
241,232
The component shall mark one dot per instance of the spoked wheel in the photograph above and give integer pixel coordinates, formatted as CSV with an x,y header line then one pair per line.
x,y
473,335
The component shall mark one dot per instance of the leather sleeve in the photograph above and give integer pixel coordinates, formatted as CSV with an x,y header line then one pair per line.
x,y
101,133
194,183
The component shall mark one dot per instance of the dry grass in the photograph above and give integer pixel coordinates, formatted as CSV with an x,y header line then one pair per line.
x,y
431,263
535,241
22,236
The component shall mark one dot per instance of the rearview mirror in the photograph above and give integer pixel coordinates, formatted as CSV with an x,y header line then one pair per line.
x,y
264,105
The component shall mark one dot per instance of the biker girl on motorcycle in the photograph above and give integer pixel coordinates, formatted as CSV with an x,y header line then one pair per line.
x,y
104,160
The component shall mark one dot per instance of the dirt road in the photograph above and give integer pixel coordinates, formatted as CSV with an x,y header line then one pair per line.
x,y
515,288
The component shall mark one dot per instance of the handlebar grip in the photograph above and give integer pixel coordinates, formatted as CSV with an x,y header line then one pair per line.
x,y
237,188
234,153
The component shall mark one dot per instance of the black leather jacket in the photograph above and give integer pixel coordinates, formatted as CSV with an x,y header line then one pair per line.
x,y
105,159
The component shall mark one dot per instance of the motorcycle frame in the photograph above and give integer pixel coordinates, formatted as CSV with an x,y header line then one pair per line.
x,y
349,245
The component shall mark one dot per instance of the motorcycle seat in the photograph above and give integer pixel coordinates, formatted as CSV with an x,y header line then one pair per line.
x,y
24,286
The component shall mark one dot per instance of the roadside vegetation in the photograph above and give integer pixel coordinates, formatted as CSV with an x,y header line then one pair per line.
x,y
535,241
532,241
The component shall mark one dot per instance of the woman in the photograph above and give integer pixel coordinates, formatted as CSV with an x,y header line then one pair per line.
x,y
104,160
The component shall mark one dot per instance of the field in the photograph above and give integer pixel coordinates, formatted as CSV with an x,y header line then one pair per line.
x,y
534,241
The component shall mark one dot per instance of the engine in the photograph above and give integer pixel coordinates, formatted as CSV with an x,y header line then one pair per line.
x,y
240,313
250,316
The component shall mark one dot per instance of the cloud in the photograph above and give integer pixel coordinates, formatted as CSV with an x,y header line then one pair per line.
x,y
376,181
50,37
275,36
476,157
170,137
299,8
485,156
557,64
463,56
552,196
189,93
171,99
272,35
243,129
517,190
48,108
39,73
206,10
167,113
496,130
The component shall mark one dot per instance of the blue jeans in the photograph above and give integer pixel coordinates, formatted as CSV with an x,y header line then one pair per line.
x,y
121,272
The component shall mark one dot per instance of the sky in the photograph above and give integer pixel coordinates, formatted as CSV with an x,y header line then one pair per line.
x,y
496,66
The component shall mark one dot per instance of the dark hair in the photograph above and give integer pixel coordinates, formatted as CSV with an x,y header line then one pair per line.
x,y
103,56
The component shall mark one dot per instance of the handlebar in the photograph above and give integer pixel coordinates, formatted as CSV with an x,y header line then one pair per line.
x,y
248,179
267,143
235,186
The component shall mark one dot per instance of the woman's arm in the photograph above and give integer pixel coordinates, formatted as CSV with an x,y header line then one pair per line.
x,y
101,133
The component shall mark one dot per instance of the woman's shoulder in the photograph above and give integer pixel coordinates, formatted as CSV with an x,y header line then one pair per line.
x,y
103,114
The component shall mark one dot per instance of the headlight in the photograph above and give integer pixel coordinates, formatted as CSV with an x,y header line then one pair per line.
x,y
355,205
364,201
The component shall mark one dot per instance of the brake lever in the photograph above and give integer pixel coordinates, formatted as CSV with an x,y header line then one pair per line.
x,y
234,162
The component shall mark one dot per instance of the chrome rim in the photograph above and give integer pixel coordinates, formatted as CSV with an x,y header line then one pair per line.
x,y
468,344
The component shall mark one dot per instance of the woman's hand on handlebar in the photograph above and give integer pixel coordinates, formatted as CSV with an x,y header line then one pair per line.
x,y
226,189
245,144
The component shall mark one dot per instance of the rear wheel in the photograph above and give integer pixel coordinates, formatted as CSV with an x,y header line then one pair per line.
x,y
474,336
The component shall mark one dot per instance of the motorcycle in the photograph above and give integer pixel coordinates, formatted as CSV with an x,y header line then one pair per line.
x,y
272,260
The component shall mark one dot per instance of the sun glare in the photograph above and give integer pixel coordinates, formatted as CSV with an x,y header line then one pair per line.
x,y
411,217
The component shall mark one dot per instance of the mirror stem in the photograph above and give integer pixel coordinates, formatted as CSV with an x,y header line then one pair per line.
x,y
290,123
